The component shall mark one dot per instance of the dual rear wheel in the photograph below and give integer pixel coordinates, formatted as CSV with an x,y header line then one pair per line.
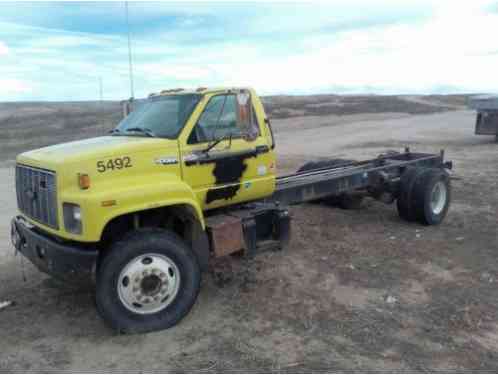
x,y
424,195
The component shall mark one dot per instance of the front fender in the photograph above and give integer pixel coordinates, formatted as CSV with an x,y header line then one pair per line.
x,y
109,201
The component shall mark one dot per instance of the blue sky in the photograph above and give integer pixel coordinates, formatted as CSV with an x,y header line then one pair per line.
x,y
58,51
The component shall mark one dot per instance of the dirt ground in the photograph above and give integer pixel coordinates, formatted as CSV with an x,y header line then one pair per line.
x,y
356,290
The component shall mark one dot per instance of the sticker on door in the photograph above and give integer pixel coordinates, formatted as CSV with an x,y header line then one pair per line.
x,y
261,170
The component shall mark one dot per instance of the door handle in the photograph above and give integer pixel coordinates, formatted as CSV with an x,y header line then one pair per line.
x,y
261,149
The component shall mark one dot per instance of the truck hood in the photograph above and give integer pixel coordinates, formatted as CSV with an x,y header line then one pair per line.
x,y
94,148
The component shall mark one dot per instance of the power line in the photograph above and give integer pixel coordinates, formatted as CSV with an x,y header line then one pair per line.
x,y
129,51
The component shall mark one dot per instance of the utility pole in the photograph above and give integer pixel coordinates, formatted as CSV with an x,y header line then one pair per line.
x,y
101,90
129,52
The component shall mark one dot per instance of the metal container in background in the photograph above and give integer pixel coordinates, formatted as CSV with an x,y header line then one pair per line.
x,y
487,114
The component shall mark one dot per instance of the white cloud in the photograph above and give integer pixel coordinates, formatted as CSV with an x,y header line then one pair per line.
x,y
13,87
278,50
4,50
175,71
450,50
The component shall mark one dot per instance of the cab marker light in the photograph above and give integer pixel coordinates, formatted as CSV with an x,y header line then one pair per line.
x,y
108,203
83,181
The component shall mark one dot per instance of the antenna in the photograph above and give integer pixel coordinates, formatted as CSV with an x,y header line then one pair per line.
x,y
129,51
101,91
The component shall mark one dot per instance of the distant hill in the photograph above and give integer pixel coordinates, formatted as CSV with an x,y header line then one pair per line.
x,y
29,125
25,126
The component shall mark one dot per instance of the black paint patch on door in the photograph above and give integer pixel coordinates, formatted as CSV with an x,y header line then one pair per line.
x,y
227,170
226,192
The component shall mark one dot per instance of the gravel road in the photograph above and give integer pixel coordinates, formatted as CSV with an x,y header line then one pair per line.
x,y
356,291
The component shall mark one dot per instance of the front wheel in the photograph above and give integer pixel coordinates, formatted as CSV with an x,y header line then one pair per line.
x,y
147,281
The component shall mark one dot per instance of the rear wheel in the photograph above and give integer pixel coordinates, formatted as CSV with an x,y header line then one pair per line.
x,y
147,281
404,202
431,196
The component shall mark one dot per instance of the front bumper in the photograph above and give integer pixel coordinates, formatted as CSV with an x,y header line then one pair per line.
x,y
60,260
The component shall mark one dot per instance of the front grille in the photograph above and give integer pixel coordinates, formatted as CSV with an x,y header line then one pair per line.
x,y
37,194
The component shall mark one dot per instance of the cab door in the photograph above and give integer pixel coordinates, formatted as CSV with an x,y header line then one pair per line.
x,y
226,157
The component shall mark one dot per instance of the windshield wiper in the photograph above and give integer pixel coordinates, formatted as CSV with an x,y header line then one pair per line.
x,y
113,131
217,141
145,131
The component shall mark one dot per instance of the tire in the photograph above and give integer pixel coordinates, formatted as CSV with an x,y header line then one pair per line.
x,y
404,201
169,281
431,196
330,163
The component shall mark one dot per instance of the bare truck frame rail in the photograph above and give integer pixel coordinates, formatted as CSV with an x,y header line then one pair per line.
x,y
373,177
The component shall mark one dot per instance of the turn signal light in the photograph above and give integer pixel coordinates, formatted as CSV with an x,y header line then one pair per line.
x,y
83,181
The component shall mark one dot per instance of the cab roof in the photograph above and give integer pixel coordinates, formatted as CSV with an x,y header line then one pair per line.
x,y
199,90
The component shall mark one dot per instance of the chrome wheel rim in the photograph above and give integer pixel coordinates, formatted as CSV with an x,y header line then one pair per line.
x,y
148,283
438,197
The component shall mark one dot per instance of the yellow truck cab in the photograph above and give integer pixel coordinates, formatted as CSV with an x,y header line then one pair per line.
x,y
184,177
181,148
176,156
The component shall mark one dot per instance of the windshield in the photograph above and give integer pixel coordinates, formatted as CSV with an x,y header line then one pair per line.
x,y
159,116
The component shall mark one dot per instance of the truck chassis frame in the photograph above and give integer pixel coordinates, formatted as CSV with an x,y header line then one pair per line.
x,y
374,177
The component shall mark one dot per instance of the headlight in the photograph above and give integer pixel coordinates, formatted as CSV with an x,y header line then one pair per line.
x,y
77,213
72,218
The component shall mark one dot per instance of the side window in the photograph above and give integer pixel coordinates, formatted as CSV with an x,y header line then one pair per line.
x,y
218,120
247,120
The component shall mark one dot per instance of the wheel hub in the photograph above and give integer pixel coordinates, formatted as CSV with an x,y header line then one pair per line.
x,y
438,197
151,285
148,283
